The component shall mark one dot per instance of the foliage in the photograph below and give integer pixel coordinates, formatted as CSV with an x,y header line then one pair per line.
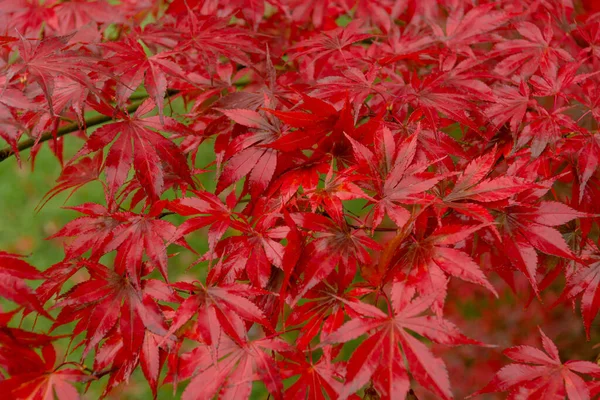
x,y
355,169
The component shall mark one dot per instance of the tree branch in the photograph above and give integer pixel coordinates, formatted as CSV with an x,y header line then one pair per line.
x,y
381,229
74,127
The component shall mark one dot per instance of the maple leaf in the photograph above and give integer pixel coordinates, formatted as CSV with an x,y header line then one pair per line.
x,y
525,55
138,233
336,189
216,214
71,16
128,233
466,29
34,377
138,144
510,106
13,272
545,128
584,281
380,356
11,128
271,92
302,11
322,314
172,180
247,154
334,244
250,254
424,262
329,42
326,44
150,360
407,44
74,176
541,374
224,307
316,380
212,37
429,95
472,185
90,231
237,368
321,119
588,159
69,95
351,82
115,357
396,175
43,62
473,188
465,76
56,276
527,228
108,300
132,67
553,80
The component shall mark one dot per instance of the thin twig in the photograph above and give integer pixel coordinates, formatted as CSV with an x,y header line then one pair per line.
x,y
381,229
165,214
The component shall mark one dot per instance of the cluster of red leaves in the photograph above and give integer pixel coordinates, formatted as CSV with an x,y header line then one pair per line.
x,y
467,132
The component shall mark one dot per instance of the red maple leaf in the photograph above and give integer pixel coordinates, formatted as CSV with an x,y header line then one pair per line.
x,y
430,96
329,43
380,356
318,120
317,379
128,233
132,66
583,280
396,175
510,106
109,301
525,54
75,175
44,61
247,154
212,37
465,29
71,16
138,144
473,189
424,262
527,228
323,313
223,307
334,244
541,374
13,272
238,365
34,377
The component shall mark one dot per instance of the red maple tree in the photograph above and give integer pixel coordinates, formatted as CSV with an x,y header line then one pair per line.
x,y
365,176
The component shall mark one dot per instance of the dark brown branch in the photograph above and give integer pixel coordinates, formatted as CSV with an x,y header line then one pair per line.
x,y
165,214
382,229
74,127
